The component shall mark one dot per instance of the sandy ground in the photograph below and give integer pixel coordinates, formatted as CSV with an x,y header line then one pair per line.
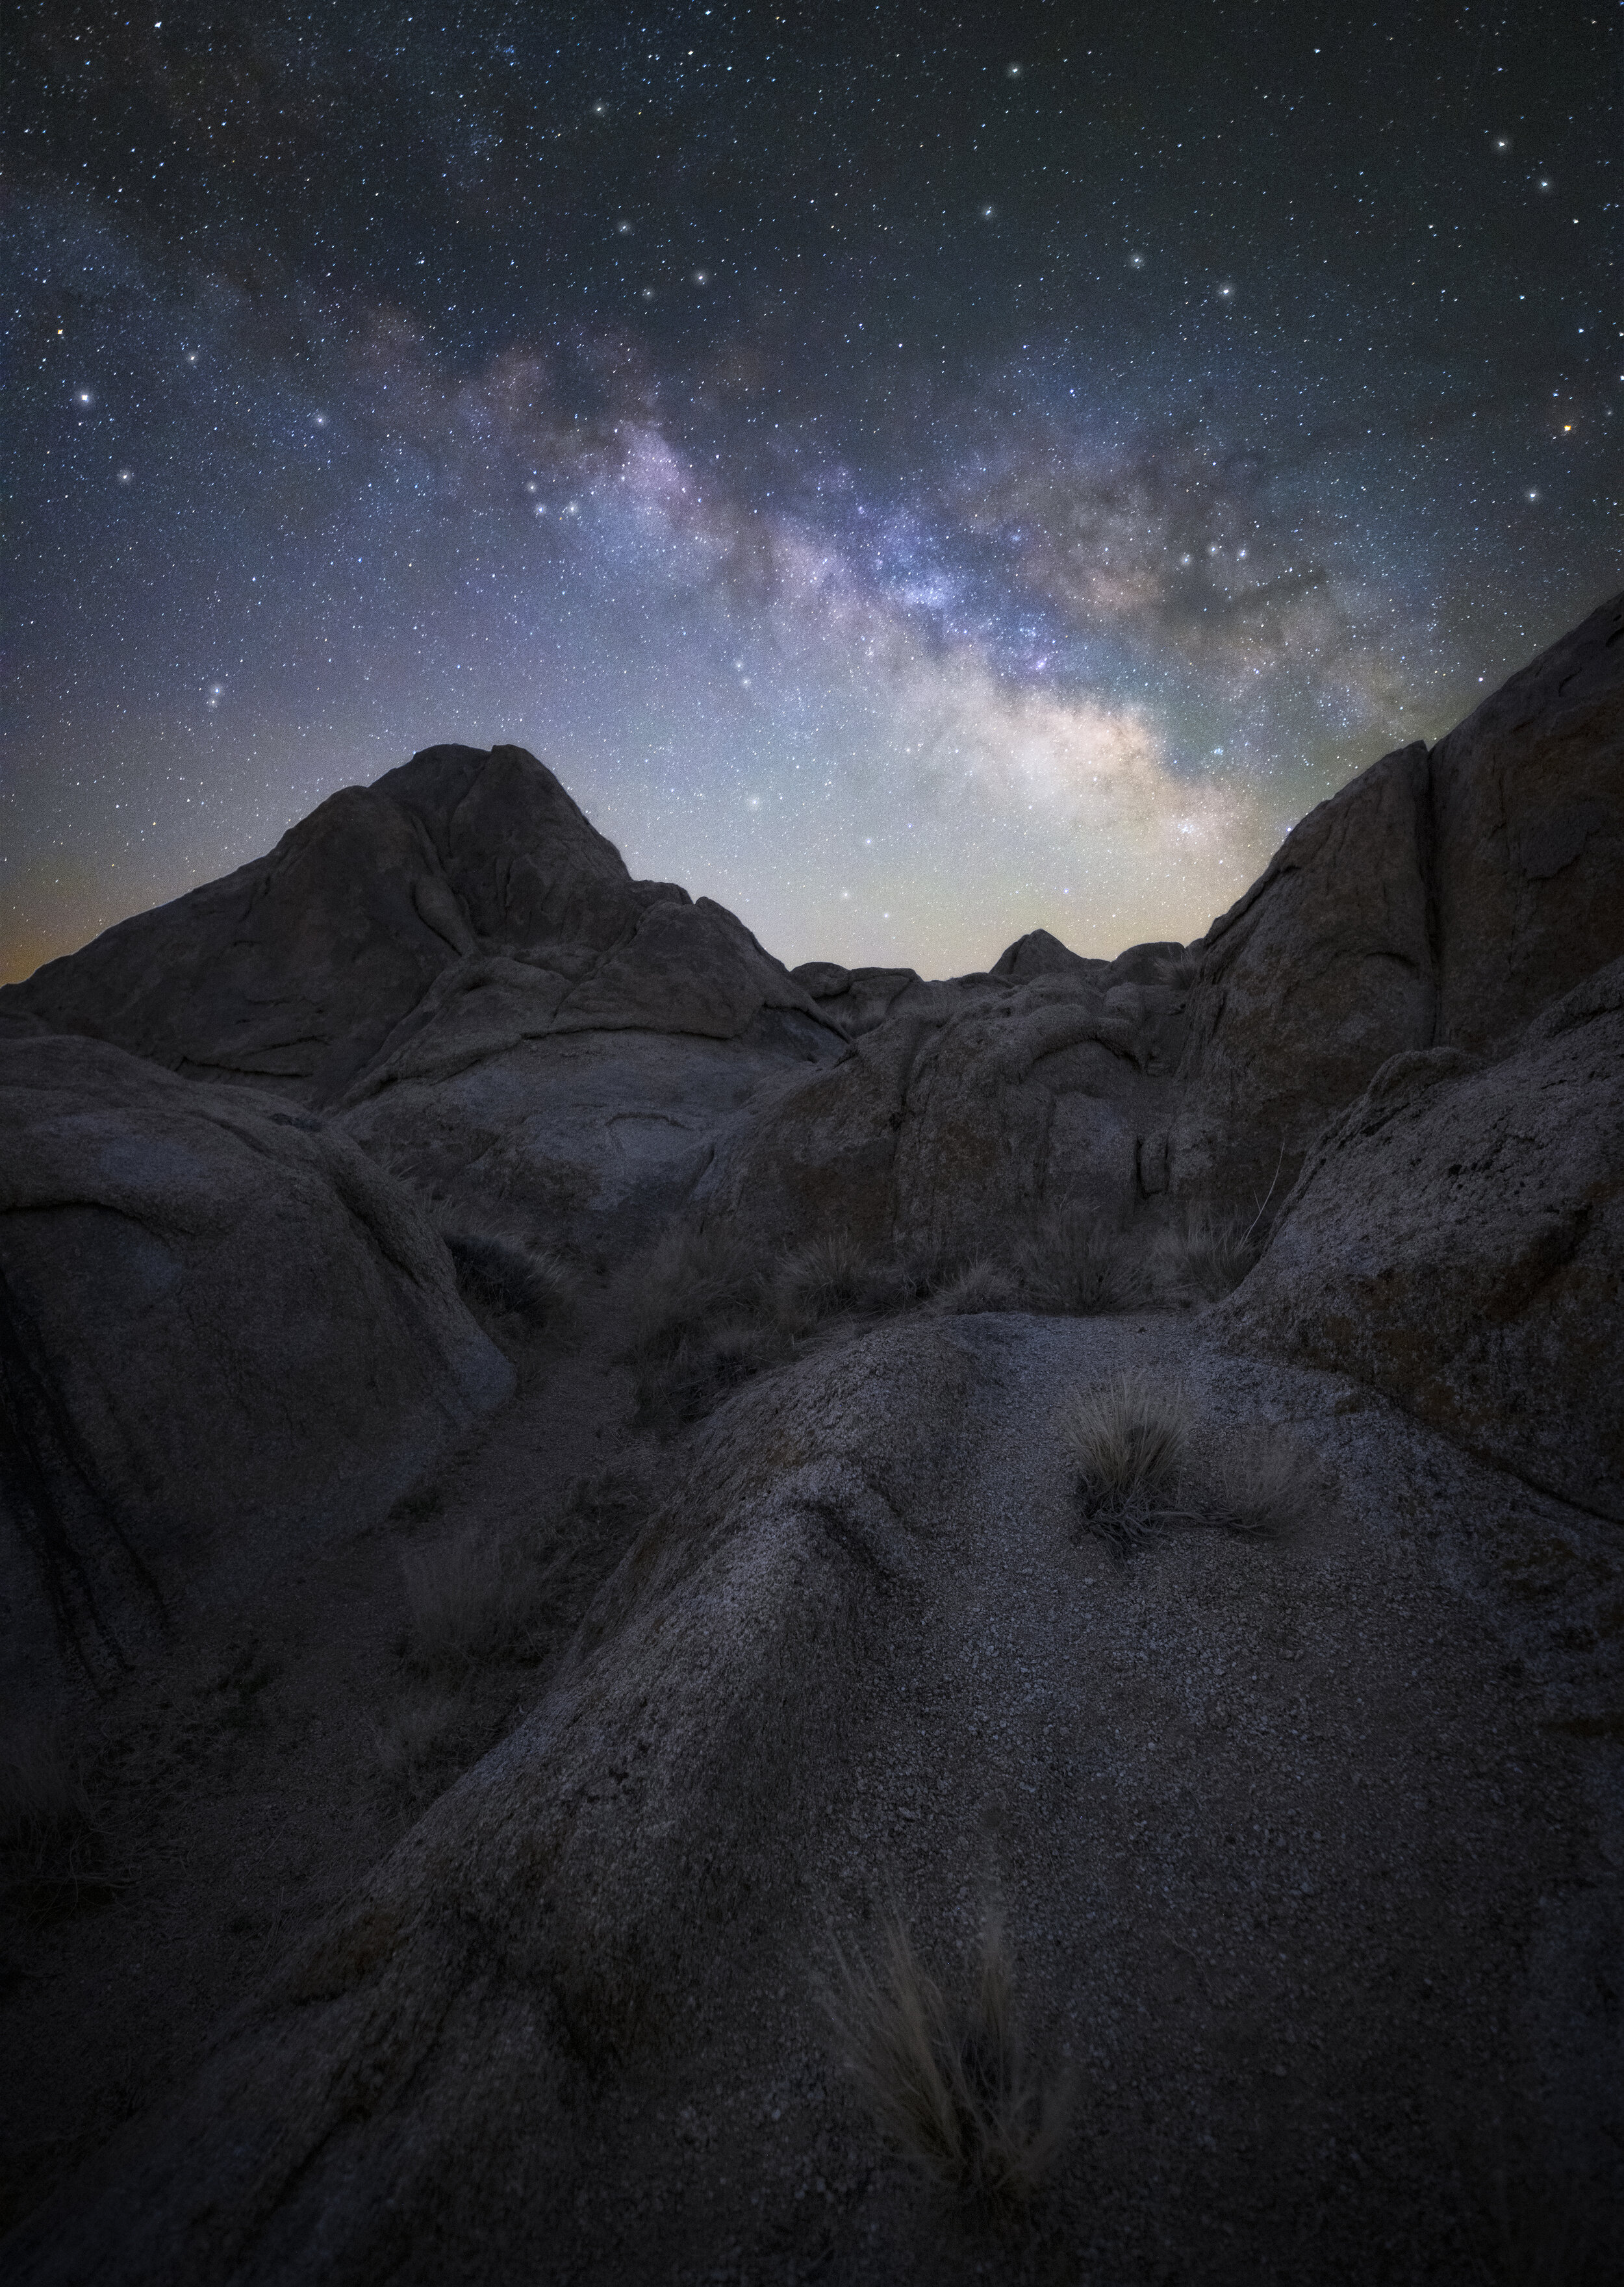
x,y
1308,1853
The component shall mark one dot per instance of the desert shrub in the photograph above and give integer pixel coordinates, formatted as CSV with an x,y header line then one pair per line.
x,y
468,1597
707,1366
982,1285
532,1282
47,1823
832,1273
949,2083
1206,1256
409,1736
1264,1484
1179,971
1077,1264
1127,1441
691,1280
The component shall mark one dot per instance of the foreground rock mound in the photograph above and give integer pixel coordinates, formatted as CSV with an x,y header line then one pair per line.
x,y
223,1329
1457,1239
410,2082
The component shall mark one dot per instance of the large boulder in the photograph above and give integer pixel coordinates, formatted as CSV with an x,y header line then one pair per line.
x,y
461,965
1312,980
1456,1238
223,1331
1441,898
607,1866
1528,830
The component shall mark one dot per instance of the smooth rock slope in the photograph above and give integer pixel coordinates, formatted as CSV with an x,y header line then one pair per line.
x,y
225,1333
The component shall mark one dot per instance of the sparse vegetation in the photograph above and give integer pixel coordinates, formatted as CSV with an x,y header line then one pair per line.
x,y
528,1282
701,1323
1077,1264
950,2083
469,1597
1127,1441
1264,1484
1179,971
1206,1256
692,1280
48,1828
830,1274
982,1285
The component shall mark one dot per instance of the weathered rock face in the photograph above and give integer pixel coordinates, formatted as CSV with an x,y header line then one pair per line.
x,y
969,1109
1457,1239
223,1329
1313,979
302,971
542,1911
1528,809
460,963
1441,898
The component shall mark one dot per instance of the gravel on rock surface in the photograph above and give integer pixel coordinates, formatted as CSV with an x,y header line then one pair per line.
x,y
1306,1850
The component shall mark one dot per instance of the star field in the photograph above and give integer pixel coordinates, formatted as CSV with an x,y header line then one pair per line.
x,y
916,476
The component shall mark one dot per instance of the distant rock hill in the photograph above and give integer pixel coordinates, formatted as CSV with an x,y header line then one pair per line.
x,y
443,998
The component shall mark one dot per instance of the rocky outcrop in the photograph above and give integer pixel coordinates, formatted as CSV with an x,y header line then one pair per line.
x,y
311,968
1441,899
970,1110
1313,979
458,963
1528,838
608,1864
223,1330
1456,1239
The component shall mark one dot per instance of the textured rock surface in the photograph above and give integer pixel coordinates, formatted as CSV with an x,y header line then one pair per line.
x,y
1319,974
970,1109
222,1331
461,870
1457,1239
1280,1848
1441,899
1528,807
558,1906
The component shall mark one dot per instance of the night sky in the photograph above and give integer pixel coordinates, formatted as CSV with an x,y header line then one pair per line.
x,y
917,474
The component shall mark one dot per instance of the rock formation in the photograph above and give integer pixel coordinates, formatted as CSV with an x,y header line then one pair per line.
x,y
1456,1239
225,1334
1301,1842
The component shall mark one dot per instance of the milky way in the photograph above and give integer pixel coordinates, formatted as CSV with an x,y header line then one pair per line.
x,y
916,477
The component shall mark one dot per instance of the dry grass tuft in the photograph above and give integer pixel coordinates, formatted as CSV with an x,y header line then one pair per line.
x,y
692,1280
1265,1485
529,1282
1127,1437
1179,971
412,1734
47,1823
829,1274
1126,1440
1207,1256
982,1285
1076,1265
469,1598
700,1324
949,2083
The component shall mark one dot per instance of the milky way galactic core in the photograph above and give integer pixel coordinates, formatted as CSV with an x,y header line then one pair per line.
x,y
917,476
